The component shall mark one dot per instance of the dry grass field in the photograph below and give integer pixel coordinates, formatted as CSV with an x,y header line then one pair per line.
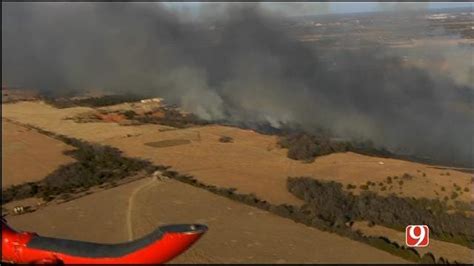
x,y
252,163
29,156
259,237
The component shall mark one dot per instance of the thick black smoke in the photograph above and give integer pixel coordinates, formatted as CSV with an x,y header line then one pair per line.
x,y
242,67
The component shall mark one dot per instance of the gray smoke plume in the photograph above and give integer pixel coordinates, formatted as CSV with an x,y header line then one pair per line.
x,y
241,66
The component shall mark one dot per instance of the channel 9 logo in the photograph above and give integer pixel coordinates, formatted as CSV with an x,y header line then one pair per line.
x,y
417,236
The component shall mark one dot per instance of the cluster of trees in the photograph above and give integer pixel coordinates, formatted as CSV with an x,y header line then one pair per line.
x,y
95,165
171,117
329,202
310,218
18,192
105,100
306,147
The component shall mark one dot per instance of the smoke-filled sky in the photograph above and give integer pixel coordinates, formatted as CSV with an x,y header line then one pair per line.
x,y
246,70
315,8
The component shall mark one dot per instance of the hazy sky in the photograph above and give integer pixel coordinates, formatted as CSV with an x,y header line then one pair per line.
x,y
313,8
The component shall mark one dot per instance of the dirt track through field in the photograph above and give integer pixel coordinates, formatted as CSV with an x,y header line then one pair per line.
x,y
129,220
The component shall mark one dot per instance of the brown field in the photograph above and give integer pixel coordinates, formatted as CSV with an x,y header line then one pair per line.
x,y
145,204
28,155
252,163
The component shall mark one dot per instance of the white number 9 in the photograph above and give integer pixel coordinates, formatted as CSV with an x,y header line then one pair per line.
x,y
419,237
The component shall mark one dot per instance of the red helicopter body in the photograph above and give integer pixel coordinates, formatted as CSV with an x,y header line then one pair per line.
x,y
160,246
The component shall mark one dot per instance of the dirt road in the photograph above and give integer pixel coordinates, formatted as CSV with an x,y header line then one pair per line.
x,y
131,205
